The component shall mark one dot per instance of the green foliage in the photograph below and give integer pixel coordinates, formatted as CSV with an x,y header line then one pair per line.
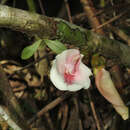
x,y
30,50
11,128
55,45
73,34
102,3
31,5
97,60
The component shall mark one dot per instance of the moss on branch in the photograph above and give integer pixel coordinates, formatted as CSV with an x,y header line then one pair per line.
x,y
54,28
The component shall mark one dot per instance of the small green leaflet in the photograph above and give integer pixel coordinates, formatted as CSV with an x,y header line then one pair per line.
x,y
30,50
55,45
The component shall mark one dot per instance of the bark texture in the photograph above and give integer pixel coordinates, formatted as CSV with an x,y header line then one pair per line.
x,y
54,28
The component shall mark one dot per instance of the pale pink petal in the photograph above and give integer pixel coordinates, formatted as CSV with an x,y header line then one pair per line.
x,y
83,77
61,59
68,72
74,87
58,81
56,78
60,62
104,85
108,90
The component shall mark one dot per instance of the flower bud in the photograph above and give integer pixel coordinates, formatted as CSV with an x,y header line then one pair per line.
x,y
107,89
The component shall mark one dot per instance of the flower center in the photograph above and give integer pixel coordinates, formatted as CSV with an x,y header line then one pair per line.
x,y
71,69
68,78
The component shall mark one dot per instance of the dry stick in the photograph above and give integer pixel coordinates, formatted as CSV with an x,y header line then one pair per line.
x,y
50,106
109,21
94,111
4,115
110,9
51,126
41,7
120,33
77,111
65,111
27,66
106,10
90,12
68,10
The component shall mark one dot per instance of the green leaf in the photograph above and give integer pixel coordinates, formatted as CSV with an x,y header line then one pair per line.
x,y
71,34
30,50
102,3
55,45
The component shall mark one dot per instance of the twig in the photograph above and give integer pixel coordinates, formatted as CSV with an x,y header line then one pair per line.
x,y
120,33
50,106
94,111
77,111
68,10
110,9
90,12
107,10
51,126
7,118
41,7
110,21
65,110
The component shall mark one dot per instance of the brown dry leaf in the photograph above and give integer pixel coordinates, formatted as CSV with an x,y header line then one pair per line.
x,y
18,88
32,80
9,67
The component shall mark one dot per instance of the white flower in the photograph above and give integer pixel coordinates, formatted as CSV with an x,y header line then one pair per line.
x,y
68,72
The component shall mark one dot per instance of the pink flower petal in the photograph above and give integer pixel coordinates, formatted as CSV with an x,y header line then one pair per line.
x,y
68,72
